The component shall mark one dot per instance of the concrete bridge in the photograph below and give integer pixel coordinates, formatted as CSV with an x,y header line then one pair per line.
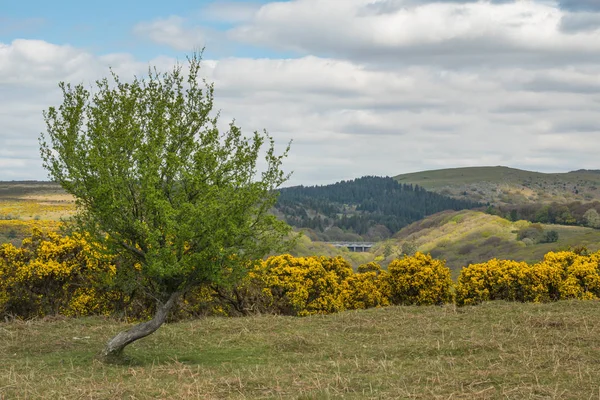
x,y
354,246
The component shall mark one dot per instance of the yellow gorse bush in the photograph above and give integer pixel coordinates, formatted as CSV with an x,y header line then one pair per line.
x,y
302,285
560,275
420,280
508,280
367,288
54,274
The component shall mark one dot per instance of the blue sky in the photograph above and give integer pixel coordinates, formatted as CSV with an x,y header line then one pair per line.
x,y
362,87
107,26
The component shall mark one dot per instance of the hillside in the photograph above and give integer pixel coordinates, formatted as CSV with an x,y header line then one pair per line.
x,y
368,208
503,185
466,237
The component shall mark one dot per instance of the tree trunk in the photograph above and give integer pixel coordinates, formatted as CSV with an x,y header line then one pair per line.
x,y
114,347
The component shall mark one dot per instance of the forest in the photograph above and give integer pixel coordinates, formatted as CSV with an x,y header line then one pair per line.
x,y
367,208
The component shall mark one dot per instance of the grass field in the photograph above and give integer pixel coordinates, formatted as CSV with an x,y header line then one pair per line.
x,y
503,185
493,351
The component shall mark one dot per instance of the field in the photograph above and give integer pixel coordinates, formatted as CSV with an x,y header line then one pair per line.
x,y
503,185
496,350
24,205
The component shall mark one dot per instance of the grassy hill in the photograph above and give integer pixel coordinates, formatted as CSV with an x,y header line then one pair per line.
x,y
493,351
466,237
503,185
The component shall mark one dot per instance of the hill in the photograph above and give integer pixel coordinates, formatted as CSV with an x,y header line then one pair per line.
x,y
494,351
368,208
466,237
503,185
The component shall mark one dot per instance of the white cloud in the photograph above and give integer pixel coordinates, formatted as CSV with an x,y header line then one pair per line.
x,y
443,33
172,32
381,91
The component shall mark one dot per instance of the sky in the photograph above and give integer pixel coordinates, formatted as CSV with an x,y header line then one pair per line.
x,y
360,87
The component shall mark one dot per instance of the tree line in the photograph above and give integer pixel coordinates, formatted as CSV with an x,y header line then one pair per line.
x,y
575,213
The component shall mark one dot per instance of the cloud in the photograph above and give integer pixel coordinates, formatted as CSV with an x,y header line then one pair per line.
x,y
579,5
413,32
172,32
580,22
369,90
29,74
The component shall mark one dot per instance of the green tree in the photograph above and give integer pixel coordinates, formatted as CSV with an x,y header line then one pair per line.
x,y
157,183
550,237
592,218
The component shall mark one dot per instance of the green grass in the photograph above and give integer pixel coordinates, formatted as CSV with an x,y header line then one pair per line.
x,y
496,350
503,185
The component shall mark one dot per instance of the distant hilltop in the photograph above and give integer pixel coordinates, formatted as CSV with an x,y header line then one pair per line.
x,y
503,185
588,171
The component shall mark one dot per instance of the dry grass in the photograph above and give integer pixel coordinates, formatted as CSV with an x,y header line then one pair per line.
x,y
497,350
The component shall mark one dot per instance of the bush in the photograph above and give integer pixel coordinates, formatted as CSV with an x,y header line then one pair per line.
x,y
419,279
532,231
466,249
302,285
53,274
550,237
508,280
581,274
368,288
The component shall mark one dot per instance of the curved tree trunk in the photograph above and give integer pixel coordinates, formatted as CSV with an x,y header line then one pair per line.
x,y
114,347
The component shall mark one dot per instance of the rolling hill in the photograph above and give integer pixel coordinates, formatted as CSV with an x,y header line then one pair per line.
x,y
504,185
465,237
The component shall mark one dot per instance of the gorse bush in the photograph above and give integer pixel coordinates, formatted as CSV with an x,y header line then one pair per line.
x,y
369,287
560,275
302,285
507,280
53,274
420,280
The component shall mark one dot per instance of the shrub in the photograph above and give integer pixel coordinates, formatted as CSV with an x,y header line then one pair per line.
x,y
466,249
550,237
532,231
419,279
302,285
368,288
52,274
508,280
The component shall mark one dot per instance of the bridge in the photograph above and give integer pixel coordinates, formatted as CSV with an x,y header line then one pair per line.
x,y
354,246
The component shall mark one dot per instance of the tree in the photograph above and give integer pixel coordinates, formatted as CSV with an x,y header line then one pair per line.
x,y
550,237
592,218
158,184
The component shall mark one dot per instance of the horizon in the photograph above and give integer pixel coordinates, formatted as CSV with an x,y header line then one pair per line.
x,y
583,170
